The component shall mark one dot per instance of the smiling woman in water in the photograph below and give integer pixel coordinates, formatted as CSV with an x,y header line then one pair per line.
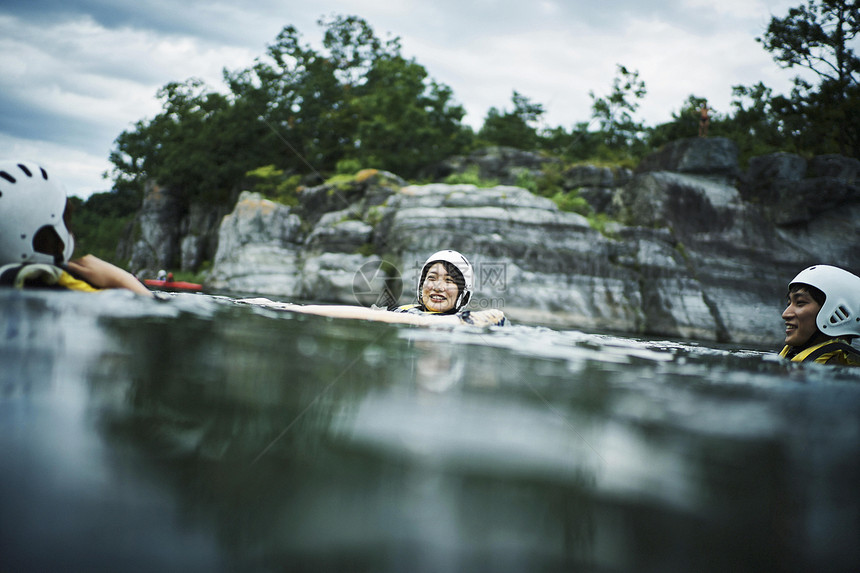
x,y
444,289
444,285
822,316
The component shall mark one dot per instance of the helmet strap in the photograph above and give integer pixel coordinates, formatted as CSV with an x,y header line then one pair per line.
x,y
463,299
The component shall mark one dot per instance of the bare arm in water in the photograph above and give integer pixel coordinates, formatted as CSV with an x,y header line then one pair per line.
x,y
102,274
478,318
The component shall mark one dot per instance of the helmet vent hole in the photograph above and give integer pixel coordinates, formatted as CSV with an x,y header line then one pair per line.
x,y
840,314
47,241
44,173
26,171
7,177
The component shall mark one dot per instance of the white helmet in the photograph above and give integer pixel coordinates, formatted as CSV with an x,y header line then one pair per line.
x,y
840,313
462,264
31,216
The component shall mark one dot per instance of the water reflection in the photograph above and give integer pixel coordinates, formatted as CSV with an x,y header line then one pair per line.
x,y
197,434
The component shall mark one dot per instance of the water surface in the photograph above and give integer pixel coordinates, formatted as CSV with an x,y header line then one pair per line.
x,y
198,434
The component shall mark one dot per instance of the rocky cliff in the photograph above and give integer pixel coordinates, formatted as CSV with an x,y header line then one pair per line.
x,y
695,247
167,235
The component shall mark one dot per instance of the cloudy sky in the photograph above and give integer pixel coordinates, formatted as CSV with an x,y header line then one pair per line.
x,y
74,74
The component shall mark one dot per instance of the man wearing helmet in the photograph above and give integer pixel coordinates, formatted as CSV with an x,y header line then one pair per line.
x,y
35,242
822,317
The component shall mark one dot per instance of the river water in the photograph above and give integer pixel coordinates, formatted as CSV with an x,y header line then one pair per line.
x,y
199,434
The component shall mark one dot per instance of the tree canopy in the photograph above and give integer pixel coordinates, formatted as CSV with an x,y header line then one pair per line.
x,y
614,112
817,36
358,101
299,109
517,128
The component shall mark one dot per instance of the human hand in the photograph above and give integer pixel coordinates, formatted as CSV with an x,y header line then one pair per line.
x,y
488,317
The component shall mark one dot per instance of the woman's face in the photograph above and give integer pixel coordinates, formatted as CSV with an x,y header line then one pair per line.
x,y
799,318
439,291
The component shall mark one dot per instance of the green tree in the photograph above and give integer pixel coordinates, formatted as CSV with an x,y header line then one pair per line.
x,y
757,123
405,121
818,36
359,99
578,144
196,146
300,96
517,128
299,110
99,223
614,112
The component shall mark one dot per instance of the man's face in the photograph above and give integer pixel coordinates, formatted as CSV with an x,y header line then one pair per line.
x,y
799,317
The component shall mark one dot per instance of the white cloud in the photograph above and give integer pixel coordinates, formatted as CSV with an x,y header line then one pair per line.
x,y
79,170
79,71
558,68
83,59
750,10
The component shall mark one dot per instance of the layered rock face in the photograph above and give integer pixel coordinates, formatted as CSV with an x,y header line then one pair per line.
x,y
167,235
258,248
156,238
741,237
312,252
696,248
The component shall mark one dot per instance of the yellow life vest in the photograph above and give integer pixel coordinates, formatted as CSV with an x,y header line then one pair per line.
x,y
833,351
415,309
43,275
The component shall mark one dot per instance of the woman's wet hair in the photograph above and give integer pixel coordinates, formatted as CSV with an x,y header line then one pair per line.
x,y
816,294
